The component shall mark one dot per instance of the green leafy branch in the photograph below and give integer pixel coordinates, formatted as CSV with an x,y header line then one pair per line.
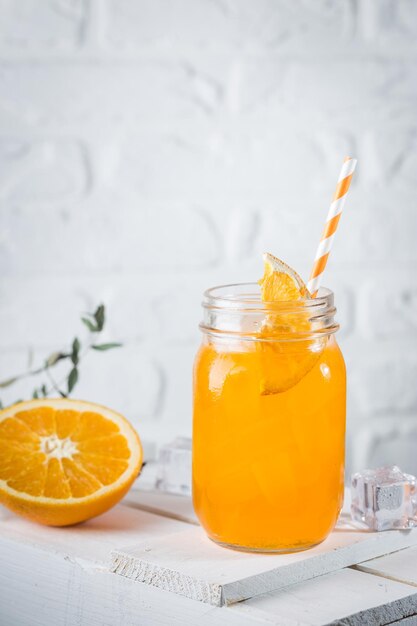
x,y
95,324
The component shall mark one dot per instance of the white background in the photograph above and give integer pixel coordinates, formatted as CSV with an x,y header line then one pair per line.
x,y
150,149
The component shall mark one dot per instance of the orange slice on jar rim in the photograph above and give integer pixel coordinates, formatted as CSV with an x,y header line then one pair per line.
x,y
283,362
280,282
64,461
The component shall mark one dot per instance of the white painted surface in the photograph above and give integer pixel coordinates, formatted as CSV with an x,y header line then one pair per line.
x,y
206,132
61,577
347,597
94,540
40,588
190,564
166,504
401,566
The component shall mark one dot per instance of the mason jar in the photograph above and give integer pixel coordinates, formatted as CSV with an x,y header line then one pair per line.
x,y
269,420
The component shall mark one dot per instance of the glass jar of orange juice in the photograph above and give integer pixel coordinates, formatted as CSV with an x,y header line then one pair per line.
x,y
269,420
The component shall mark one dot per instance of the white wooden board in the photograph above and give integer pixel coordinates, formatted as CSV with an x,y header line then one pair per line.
x,y
401,566
165,504
145,497
61,577
190,564
40,588
94,540
346,597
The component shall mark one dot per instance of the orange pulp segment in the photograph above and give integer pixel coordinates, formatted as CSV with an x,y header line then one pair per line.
x,y
283,360
64,461
280,282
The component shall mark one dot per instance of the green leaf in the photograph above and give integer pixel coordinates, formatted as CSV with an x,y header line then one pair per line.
x,y
106,346
1,405
54,358
99,316
44,391
75,351
35,394
72,379
90,325
8,382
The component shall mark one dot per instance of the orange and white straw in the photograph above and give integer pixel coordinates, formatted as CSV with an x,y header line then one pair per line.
x,y
330,227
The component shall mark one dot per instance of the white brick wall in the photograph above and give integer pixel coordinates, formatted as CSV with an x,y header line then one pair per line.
x,y
152,148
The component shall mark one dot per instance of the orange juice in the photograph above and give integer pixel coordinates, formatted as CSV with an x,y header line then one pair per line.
x,y
269,424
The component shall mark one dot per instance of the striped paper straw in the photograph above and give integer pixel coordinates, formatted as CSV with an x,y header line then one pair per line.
x,y
330,227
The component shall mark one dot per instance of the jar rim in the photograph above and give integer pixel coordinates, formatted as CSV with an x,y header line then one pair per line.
x,y
226,306
223,297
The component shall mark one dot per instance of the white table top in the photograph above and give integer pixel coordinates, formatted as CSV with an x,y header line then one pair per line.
x,y
55,576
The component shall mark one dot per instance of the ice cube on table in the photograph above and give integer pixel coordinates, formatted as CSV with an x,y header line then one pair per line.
x,y
174,467
384,498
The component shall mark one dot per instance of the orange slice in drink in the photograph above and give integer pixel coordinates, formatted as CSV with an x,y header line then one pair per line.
x,y
280,282
286,357
64,461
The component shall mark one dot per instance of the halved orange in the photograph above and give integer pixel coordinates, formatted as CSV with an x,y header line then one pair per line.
x,y
285,356
64,461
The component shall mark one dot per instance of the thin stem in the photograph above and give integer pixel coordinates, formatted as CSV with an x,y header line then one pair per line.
x,y
54,383
54,358
38,370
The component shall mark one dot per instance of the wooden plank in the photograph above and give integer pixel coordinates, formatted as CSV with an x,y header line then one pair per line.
x,y
407,621
94,540
346,597
40,588
401,566
165,504
60,577
145,497
190,564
